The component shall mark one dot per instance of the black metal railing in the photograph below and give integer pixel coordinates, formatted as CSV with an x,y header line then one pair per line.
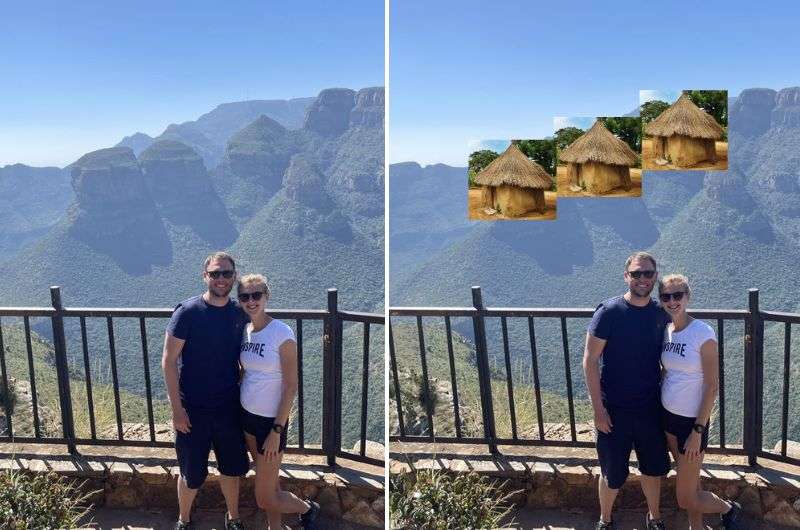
x,y
752,431
332,319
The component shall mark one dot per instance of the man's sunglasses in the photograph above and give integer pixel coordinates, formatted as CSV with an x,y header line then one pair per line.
x,y
638,274
256,296
677,296
225,274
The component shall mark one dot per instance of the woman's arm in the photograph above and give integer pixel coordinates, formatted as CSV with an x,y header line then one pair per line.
x,y
710,360
288,354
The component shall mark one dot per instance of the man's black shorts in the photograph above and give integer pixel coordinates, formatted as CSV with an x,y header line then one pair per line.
x,y
638,430
681,427
221,431
260,427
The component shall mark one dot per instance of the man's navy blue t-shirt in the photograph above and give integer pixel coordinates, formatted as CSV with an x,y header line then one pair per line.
x,y
631,372
209,373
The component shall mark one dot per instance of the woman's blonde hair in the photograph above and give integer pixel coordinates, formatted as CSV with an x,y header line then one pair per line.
x,y
258,280
678,279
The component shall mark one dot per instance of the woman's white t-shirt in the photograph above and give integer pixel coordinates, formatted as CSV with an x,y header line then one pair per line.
x,y
261,388
682,386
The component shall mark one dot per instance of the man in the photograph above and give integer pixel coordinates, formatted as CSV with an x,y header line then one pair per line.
x,y
627,332
201,371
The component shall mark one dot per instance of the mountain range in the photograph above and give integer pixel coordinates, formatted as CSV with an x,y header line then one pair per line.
x,y
297,194
726,230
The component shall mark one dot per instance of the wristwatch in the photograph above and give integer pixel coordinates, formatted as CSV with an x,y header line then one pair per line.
x,y
699,428
277,428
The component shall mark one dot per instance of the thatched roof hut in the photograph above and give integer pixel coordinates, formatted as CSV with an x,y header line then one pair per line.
x,y
598,161
684,133
513,183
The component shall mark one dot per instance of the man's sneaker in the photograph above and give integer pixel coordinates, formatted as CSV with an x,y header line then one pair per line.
x,y
233,524
307,519
180,525
729,520
603,525
653,524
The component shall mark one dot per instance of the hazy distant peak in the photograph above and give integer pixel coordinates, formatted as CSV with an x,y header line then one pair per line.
x,y
106,159
329,115
168,150
138,142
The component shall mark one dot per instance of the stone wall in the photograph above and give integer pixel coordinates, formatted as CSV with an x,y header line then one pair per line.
x,y
767,493
352,494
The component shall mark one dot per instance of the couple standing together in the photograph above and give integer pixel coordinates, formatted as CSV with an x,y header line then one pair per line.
x,y
654,393
231,376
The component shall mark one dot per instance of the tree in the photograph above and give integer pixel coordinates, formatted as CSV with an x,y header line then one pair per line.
x,y
651,110
628,129
715,102
543,152
477,161
565,136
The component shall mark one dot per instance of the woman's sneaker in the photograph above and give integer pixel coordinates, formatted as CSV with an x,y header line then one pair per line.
x,y
603,525
307,520
180,525
653,524
233,524
730,519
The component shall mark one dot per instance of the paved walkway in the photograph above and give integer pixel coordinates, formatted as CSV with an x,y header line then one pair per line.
x,y
626,520
139,519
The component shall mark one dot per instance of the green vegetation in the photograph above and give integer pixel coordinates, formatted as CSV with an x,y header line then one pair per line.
x,y
626,128
435,500
477,161
543,152
566,135
715,102
650,110
34,501
554,405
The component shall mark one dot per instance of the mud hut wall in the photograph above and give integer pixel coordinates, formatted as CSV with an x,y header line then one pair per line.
x,y
658,146
685,151
600,178
573,174
487,197
515,201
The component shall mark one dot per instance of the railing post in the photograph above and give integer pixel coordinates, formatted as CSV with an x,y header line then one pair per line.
x,y
62,370
753,379
484,374
331,380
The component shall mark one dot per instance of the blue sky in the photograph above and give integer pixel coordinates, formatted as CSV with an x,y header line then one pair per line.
x,y
668,96
77,76
464,71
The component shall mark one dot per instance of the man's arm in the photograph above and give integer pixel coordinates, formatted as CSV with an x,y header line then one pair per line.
x,y
591,372
169,365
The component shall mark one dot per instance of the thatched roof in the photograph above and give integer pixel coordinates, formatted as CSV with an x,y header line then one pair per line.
x,y
685,118
598,144
513,168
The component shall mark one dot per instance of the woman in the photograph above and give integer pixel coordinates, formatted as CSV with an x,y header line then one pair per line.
x,y
269,384
688,390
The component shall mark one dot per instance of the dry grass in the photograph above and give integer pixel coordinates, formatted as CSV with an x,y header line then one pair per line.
x,y
476,208
564,191
598,144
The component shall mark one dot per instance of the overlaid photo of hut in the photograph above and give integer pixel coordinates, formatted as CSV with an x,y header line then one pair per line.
x,y
512,180
684,130
598,157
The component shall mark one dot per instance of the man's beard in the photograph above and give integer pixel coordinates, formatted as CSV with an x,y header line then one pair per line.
x,y
642,292
220,293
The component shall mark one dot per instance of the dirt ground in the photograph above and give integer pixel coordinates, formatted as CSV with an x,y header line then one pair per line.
x,y
476,210
649,163
564,191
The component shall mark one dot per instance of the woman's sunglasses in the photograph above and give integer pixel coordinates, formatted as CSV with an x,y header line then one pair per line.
x,y
256,296
677,296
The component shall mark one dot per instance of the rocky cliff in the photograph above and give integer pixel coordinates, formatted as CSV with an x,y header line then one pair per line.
x,y
329,115
751,113
181,188
368,109
114,213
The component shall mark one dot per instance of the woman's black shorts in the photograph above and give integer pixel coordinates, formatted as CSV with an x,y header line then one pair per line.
x,y
681,427
260,427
